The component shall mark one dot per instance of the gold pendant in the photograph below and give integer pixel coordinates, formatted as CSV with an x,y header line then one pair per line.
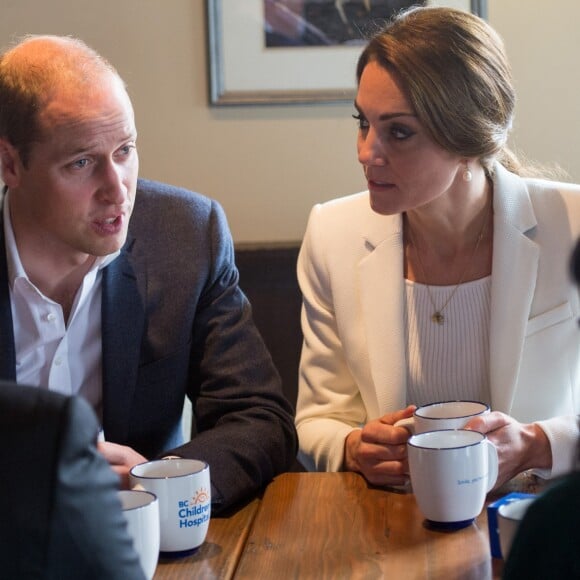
x,y
438,317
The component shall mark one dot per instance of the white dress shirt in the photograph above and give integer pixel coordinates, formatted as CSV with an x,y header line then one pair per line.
x,y
62,357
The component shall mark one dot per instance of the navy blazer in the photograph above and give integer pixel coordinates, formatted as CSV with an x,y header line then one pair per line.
x,y
174,324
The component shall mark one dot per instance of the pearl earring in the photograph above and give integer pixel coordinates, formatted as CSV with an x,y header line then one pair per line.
x,y
467,175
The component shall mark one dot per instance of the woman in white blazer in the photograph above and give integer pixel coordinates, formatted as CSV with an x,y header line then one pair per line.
x,y
448,278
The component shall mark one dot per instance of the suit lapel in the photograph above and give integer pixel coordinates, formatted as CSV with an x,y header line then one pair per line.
x,y
382,300
7,348
514,271
123,319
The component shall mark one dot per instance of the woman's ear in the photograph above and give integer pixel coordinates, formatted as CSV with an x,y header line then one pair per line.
x,y
10,165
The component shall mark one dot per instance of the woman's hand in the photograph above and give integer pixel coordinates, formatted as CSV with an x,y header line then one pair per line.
x,y
519,446
379,450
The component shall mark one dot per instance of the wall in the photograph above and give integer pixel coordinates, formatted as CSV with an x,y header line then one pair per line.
x,y
269,165
543,44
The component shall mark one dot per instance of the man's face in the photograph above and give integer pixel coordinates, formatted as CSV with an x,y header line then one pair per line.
x,y
76,195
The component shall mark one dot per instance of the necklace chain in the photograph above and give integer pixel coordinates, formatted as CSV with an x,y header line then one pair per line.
x,y
437,316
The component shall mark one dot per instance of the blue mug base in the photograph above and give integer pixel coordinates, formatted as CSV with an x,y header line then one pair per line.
x,y
448,526
179,554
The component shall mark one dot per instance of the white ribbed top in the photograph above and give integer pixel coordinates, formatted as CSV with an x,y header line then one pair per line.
x,y
451,360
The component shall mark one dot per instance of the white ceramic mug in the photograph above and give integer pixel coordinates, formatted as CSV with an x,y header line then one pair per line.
x,y
509,516
443,415
184,492
451,473
141,511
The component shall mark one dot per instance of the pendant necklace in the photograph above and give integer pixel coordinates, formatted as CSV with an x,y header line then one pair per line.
x,y
437,317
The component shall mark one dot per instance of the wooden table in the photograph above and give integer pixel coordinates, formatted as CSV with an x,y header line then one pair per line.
x,y
334,525
219,555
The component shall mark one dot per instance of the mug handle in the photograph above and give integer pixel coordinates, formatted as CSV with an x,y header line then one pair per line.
x,y
408,423
492,464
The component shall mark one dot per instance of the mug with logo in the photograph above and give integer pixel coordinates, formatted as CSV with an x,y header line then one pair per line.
x,y
141,511
443,415
451,472
184,492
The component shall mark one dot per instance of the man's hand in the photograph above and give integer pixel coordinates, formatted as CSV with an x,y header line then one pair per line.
x,y
121,458
379,450
519,446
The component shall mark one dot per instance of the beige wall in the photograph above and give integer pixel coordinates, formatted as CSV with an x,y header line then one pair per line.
x,y
268,165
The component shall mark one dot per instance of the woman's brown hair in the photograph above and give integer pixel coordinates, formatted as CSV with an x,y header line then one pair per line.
x,y
453,68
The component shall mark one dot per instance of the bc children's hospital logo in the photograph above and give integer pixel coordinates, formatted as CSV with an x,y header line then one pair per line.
x,y
195,511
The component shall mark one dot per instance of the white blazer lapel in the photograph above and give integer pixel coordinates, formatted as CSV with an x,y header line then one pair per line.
x,y
380,281
514,272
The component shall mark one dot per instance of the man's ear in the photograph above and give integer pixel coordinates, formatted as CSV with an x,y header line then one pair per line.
x,y
10,165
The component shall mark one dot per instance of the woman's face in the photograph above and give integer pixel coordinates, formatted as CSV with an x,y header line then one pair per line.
x,y
404,167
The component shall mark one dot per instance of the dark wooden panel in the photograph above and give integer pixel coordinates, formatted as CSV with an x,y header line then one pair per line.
x,y
268,278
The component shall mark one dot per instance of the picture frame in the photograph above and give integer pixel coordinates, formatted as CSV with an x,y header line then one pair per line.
x,y
243,70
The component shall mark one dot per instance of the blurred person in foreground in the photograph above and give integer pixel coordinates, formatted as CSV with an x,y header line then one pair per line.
x,y
124,290
61,515
547,541
447,279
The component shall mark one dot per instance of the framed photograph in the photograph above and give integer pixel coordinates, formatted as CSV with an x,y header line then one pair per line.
x,y
275,51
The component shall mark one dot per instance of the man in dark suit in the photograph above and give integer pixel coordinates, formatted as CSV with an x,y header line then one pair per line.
x,y
125,291
60,514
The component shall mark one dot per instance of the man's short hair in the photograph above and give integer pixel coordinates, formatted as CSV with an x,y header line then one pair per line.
x,y
27,78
